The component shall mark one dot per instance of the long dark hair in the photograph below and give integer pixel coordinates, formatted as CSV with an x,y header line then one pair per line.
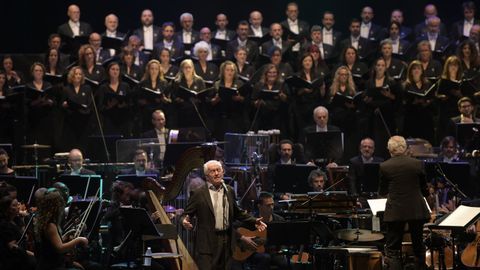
x,y
50,210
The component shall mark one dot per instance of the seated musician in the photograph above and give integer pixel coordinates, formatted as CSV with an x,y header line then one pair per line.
x,y
49,246
449,150
466,108
14,255
317,180
4,169
75,162
320,116
356,172
265,205
159,132
140,161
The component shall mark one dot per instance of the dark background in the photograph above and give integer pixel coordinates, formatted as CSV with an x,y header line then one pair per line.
x,y
26,24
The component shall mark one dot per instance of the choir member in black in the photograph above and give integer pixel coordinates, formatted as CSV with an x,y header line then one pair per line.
x,y
382,98
41,111
403,31
207,70
330,36
87,60
461,29
285,70
50,249
244,68
54,42
169,41
305,99
215,50
101,54
452,71
147,102
318,63
53,65
77,108
222,32
14,254
141,58
169,70
5,109
186,109
468,55
14,77
349,58
432,67
396,69
243,41
270,112
342,110
233,111
400,46
128,66
419,109
115,112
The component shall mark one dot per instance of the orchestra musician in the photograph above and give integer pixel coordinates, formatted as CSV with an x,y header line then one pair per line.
x,y
75,162
4,169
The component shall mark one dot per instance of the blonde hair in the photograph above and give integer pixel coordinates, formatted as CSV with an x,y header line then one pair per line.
x,y
71,74
397,145
181,75
452,60
146,75
224,65
336,82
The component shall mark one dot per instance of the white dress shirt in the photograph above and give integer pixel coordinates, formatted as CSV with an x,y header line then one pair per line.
x,y
75,26
293,25
467,25
327,36
365,29
257,31
187,37
221,34
148,37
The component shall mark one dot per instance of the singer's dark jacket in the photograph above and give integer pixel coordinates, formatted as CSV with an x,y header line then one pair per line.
x,y
402,181
200,206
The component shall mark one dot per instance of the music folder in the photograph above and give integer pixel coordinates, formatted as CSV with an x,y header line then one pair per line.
x,y
461,218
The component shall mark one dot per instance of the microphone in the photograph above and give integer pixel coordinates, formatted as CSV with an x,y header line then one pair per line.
x,y
474,129
224,186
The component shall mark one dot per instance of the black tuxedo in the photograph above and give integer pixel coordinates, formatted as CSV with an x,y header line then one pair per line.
x,y
157,34
65,30
356,174
405,32
200,206
303,27
440,45
252,50
329,51
336,37
117,34
230,34
313,129
265,31
195,36
266,46
376,33
456,33
176,51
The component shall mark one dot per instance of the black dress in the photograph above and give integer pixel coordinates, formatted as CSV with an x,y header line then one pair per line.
x,y
116,118
185,112
419,113
40,115
147,102
47,256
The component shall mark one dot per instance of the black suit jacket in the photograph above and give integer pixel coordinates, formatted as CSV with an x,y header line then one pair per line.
x,y
405,32
266,46
356,175
376,33
313,129
176,51
336,37
83,171
230,34
303,27
157,33
440,45
328,50
65,30
200,206
456,33
402,181
195,36
265,31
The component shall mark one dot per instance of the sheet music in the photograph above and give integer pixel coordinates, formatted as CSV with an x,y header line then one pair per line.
x,y
377,205
461,216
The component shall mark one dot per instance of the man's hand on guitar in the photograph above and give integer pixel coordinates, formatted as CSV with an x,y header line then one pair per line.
x,y
260,225
249,241
186,223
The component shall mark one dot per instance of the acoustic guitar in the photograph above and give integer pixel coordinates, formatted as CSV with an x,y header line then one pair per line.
x,y
243,251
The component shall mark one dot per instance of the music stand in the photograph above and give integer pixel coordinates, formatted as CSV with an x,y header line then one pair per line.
x,y
292,178
369,181
457,221
324,145
465,134
276,233
25,185
136,180
83,185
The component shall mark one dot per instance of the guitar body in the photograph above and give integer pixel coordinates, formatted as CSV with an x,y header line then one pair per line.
x,y
242,251
471,254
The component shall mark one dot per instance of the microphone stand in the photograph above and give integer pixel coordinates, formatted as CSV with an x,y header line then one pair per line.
x,y
255,161
454,186
201,118
100,127
379,113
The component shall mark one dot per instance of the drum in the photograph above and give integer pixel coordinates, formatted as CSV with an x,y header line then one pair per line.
x,y
365,260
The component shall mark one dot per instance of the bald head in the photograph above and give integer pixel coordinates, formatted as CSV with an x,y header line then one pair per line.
x,y
75,159
111,22
256,18
73,13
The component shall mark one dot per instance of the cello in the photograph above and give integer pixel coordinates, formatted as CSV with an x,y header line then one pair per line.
x,y
470,255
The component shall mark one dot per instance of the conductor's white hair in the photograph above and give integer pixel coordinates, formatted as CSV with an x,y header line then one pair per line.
x,y
397,145
211,162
